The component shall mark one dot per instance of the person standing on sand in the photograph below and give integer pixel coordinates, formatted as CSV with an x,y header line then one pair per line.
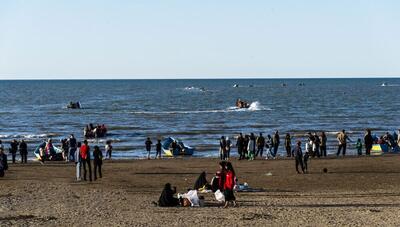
x,y
288,145
276,142
251,147
148,144
78,161
228,148
368,141
316,145
359,147
3,161
239,145
298,156
13,149
108,149
23,151
158,149
322,146
260,145
222,148
342,139
72,146
229,185
97,161
85,157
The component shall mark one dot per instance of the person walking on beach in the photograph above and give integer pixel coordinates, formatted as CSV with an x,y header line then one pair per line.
x,y
72,146
322,146
65,149
359,147
78,161
288,145
97,161
251,147
13,149
316,145
229,184
269,145
342,139
23,151
228,148
239,145
298,156
368,142
260,145
306,155
158,149
222,148
108,149
148,144
85,157
276,142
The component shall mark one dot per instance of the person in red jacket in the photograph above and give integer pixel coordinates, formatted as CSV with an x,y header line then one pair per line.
x,y
229,184
85,158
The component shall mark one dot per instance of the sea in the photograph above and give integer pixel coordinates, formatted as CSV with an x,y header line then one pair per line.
x,y
197,112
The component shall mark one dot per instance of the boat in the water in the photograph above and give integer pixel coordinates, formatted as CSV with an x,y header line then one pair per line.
x,y
236,85
242,104
55,154
74,105
384,84
172,147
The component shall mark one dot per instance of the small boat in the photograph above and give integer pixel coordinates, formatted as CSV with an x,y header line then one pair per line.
x,y
242,104
56,154
181,148
74,105
384,84
236,85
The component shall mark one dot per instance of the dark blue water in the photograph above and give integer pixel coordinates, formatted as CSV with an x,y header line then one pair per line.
x,y
135,109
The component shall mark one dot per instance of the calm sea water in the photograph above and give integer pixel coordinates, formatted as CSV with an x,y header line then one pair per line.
x,y
135,109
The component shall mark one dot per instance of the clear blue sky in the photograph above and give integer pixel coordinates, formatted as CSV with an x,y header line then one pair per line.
x,y
193,39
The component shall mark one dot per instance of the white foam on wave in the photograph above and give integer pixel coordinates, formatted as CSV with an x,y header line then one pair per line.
x,y
195,89
254,106
27,136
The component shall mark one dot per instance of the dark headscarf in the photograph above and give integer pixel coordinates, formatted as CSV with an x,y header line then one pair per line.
x,y
201,181
167,197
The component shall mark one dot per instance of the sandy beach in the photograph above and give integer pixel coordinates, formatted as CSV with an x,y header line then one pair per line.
x,y
355,191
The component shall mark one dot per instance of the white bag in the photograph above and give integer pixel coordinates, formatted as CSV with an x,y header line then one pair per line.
x,y
219,196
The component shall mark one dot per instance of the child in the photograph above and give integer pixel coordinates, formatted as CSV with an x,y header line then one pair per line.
x,y
109,149
359,147
158,149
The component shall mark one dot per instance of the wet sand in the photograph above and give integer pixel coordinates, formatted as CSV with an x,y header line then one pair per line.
x,y
355,191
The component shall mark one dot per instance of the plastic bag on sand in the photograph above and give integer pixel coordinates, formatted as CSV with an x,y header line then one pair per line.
x,y
192,197
219,196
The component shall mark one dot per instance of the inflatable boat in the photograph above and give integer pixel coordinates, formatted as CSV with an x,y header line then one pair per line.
x,y
56,154
181,148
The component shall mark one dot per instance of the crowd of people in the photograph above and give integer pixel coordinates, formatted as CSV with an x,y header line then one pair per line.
x,y
222,184
91,131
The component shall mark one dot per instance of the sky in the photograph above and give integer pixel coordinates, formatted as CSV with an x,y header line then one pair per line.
x,y
149,39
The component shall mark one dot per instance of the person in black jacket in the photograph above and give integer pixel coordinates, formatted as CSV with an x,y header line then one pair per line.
x,y
298,156
13,149
167,198
3,162
158,149
368,141
239,145
23,151
97,161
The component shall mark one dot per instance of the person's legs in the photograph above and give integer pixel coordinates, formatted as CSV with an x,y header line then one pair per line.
x,y
148,153
368,150
13,157
297,165
90,170
26,157
100,174
261,154
344,149
95,170
339,149
84,163
305,163
275,149
78,177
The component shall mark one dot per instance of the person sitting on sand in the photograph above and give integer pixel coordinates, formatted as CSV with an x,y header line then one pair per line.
x,y
167,198
201,182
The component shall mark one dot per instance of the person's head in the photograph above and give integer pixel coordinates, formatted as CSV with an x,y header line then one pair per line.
x,y
240,134
222,137
85,142
49,141
79,144
167,186
148,138
108,142
269,136
260,134
323,133
96,148
72,136
22,141
287,135
159,141
343,131
277,132
358,140
298,143
222,165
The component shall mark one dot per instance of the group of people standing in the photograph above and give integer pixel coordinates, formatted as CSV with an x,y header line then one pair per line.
x,y
148,144
16,146
249,146
83,160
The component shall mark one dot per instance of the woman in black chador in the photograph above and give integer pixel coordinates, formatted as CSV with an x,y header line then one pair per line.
x,y
167,198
